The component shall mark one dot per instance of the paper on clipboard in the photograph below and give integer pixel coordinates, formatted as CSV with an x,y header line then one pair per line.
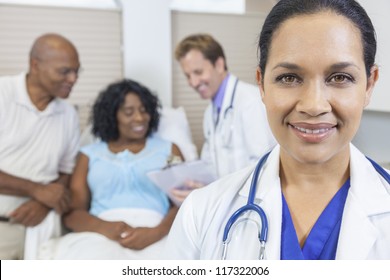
x,y
176,175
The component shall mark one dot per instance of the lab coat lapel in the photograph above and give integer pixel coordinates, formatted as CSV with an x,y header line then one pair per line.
x,y
226,100
367,198
268,196
357,234
210,130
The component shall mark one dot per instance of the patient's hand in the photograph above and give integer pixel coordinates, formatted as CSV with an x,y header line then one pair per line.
x,y
181,193
127,236
113,230
139,238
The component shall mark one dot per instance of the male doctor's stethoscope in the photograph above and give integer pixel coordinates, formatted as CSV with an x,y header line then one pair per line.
x,y
227,128
251,206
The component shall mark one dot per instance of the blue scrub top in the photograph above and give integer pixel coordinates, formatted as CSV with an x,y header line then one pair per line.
x,y
321,244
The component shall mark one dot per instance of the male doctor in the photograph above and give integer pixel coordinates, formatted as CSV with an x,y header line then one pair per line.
x,y
235,124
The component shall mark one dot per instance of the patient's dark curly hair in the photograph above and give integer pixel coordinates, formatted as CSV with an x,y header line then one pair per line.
x,y
104,121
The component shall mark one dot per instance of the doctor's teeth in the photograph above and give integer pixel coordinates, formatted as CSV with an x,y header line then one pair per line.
x,y
312,131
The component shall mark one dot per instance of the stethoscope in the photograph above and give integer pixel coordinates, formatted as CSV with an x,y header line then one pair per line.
x,y
251,206
229,109
228,119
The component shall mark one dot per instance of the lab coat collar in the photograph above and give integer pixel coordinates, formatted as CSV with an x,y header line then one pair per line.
x,y
367,185
226,103
227,98
268,178
367,198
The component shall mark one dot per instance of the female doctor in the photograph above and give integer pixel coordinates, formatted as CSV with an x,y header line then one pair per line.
x,y
321,197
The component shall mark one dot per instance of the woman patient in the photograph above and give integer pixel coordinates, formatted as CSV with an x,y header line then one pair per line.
x,y
116,211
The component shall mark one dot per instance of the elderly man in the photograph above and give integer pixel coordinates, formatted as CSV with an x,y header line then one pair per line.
x,y
39,140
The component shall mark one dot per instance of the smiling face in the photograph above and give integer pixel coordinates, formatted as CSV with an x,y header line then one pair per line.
x,y
315,86
133,119
56,70
201,74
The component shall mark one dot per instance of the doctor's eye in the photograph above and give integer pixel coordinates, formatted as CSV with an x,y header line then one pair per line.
x,y
288,79
340,78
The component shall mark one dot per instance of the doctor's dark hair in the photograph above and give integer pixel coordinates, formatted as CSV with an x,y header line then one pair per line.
x,y
110,100
286,9
204,43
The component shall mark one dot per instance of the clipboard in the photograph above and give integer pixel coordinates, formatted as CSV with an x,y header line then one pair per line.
x,y
176,175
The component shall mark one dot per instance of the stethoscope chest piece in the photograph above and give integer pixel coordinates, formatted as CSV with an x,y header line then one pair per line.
x,y
243,239
236,218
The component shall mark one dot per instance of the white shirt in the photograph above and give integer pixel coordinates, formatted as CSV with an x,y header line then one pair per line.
x,y
34,145
198,228
242,133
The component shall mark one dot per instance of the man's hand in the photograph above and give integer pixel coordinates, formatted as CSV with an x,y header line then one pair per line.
x,y
181,193
30,213
54,195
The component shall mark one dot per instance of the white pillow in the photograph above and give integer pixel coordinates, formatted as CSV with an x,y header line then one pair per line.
x,y
173,127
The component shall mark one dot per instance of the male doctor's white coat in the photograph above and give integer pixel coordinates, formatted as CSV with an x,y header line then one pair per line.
x,y
198,228
242,133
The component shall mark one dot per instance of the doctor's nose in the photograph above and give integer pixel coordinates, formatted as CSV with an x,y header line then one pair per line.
x,y
314,100
193,81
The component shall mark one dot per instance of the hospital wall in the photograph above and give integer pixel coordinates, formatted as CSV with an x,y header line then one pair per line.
x,y
373,137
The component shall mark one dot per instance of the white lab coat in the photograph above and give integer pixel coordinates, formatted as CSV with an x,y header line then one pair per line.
x,y
242,134
198,229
